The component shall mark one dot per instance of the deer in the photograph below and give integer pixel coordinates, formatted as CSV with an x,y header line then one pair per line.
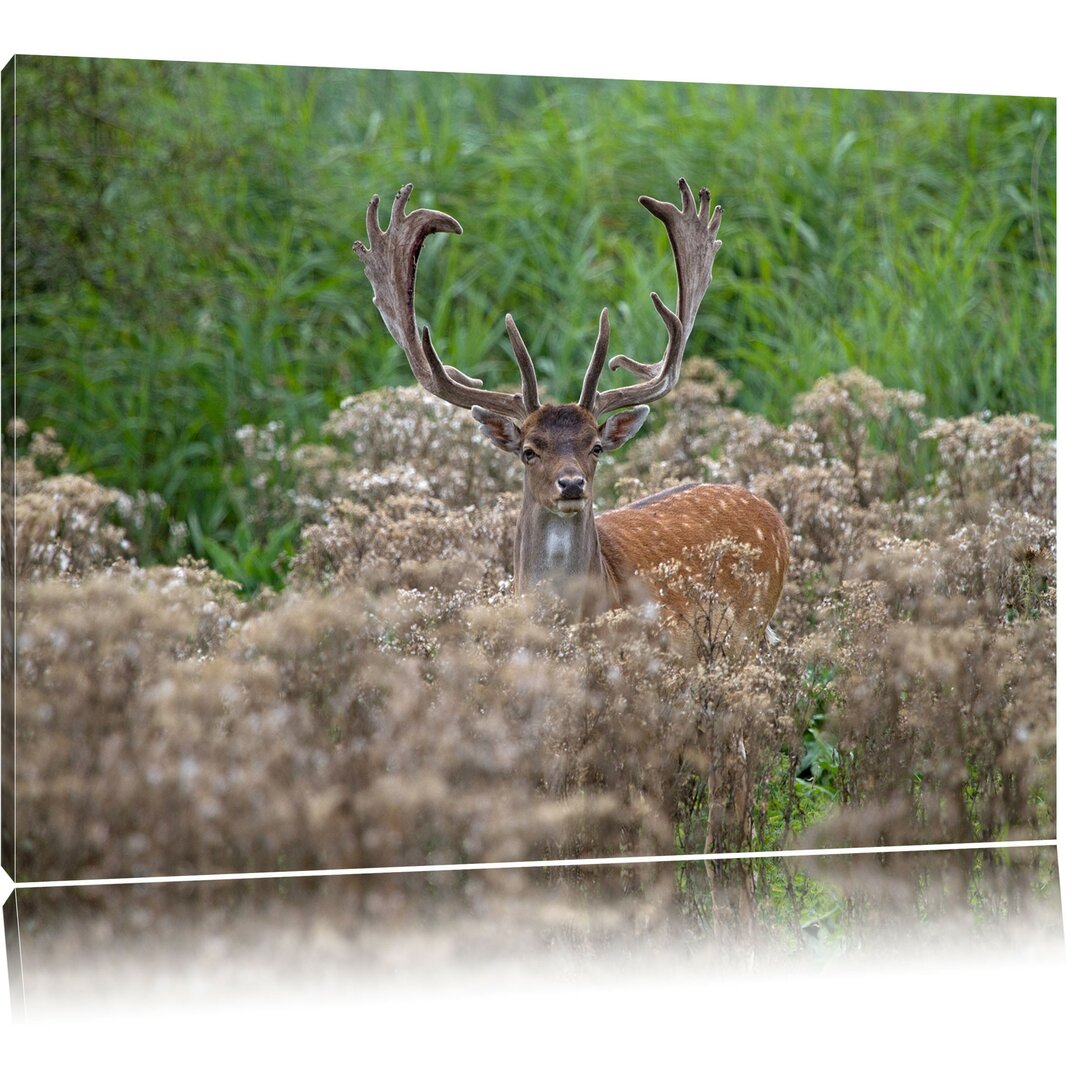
x,y
624,555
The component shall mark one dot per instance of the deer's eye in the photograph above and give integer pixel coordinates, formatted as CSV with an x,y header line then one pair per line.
x,y
528,455
597,450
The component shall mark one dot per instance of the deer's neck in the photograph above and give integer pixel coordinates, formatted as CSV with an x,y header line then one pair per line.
x,y
563,549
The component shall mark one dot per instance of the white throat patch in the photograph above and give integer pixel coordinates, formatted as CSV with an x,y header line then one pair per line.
x,y
558,542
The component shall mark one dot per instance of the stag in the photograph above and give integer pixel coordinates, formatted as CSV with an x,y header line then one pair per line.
x,y
627,553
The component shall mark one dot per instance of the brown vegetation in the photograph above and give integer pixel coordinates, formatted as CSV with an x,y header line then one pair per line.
x,y
394,705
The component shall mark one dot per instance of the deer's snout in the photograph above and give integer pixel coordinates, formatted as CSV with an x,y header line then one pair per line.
x,y
571,486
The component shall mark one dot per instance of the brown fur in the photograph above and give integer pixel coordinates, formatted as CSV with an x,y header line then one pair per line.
x,y
678,526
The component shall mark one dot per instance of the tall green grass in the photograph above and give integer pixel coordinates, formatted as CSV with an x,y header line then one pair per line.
x,y
184,266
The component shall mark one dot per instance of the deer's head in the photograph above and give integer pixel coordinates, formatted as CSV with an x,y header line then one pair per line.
x,y
558,445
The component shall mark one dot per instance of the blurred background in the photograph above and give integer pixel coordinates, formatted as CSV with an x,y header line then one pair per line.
x,y
184,275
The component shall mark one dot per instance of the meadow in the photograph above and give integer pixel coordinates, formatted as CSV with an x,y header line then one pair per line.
x,y
265,619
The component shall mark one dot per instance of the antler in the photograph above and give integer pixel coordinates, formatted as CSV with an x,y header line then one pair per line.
x,y
390,264
692,234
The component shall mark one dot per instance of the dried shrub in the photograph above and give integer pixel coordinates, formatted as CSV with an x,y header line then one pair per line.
x,y
744,714
820,506
409,537
394,705
323,736
61,524
864,425
705,439
428,445
1000,459
941,700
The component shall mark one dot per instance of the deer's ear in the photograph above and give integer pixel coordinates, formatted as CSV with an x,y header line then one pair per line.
x,y
501,430
620,426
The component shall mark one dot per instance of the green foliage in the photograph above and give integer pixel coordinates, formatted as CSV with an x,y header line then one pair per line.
x,y
183,263
251,562
819,765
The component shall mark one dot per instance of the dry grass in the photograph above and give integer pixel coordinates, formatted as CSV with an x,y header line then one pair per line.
x,y
395,705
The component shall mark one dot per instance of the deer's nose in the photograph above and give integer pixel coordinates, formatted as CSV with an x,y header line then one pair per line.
x,y
571,487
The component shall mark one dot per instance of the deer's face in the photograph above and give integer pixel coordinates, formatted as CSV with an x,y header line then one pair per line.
x,y
559,446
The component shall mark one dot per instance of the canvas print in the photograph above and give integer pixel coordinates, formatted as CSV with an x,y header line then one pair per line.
x,y
409,469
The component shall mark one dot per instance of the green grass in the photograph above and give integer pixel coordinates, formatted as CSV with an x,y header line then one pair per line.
x,y
184,266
